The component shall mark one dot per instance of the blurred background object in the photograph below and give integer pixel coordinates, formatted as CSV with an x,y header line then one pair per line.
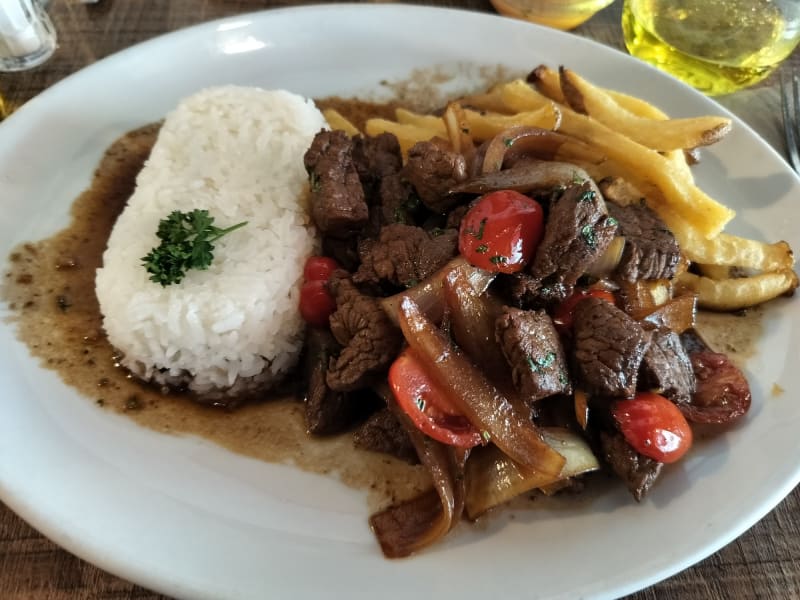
x,y
27,36
717,46
561,14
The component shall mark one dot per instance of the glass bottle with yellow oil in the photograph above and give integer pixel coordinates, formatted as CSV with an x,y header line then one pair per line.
x,y
717,46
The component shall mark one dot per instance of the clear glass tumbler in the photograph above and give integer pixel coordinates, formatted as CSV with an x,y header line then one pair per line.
x,y
27,36
717,46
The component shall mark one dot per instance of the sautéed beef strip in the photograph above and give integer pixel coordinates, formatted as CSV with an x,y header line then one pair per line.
x,y
327,411
609,347
382,432
577,232
376,158
666,367
371,342
338,206
637,471
651,251
722,395
532,347
433,169
404,255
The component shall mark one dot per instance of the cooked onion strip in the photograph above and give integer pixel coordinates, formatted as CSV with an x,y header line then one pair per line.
x,y
428,295
492,478
475,396
517,143
404,528
533,176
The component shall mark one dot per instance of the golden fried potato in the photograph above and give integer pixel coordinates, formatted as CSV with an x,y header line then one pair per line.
x,y
407,135
337,121
644,166
548,82
457,127
431,122
738,293
485,125
661,135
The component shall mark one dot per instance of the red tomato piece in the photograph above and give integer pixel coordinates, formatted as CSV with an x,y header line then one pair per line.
x,y
427,405
653,426
319,268
316,303
564,313
722,394
501,231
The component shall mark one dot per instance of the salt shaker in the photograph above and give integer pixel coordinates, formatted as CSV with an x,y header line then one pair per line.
x,y
27,36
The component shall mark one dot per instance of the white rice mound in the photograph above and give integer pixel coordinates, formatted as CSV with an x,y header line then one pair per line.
x,y
238,153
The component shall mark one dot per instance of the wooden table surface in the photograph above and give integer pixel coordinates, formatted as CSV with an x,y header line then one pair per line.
x,y
762,563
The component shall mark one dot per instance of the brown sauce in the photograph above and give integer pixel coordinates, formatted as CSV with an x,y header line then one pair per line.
x,y
49,287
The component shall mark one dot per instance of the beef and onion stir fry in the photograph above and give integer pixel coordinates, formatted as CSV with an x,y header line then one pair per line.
x,y
508,295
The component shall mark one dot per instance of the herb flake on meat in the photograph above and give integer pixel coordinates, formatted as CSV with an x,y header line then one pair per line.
x,y
186,243
589,236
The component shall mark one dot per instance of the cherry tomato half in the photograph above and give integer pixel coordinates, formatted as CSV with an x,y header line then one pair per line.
x,y
427,405
319,268
564,313
653,426
316,303
501,231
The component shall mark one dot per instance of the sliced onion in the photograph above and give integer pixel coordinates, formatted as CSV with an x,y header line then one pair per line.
x,y
678,314
608,260
475,396
492,478
581,401
404,528
518,141
472,320
428,293
530,176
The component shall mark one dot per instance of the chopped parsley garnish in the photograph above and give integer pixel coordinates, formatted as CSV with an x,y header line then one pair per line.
x,y
486,436
186,243
477,234
420,402
576,178
563,379
508,142
537,365
589,236
612,221
313,180
497,260
482,249
587,196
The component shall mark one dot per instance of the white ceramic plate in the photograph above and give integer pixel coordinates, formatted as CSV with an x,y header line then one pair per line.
x,y
192,520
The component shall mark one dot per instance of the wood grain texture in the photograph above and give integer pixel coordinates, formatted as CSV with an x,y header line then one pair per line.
x,y
763,563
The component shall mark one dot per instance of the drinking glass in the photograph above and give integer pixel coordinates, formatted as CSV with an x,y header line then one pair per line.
x,y
27,36
717,46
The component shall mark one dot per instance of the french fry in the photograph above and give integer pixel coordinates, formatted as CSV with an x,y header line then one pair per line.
x,y
742,292
728,250
548,82
484,126
491,100
517,96
337,121
431,122
715,271
644,165
661,135
455,123
407,135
